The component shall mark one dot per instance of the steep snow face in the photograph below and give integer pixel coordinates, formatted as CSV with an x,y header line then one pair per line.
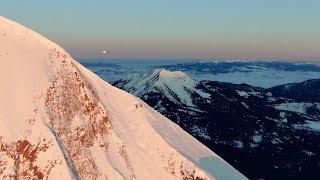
x,y
59,120
175,85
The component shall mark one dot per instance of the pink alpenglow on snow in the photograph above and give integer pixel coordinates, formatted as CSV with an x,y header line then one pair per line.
x,y
59,120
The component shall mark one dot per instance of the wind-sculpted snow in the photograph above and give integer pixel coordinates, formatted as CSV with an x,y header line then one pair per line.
x,y
58,120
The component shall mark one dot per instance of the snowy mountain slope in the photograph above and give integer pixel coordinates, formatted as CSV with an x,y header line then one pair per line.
x,y
59,120
246,125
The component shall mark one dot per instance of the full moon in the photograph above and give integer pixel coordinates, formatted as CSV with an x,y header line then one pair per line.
x,y
104,52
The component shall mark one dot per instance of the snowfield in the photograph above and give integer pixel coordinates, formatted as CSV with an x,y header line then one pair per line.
x,y
297,107
59,120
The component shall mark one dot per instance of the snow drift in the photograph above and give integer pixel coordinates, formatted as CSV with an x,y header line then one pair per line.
x,y
59,120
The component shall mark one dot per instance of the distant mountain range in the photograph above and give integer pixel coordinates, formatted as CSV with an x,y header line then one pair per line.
x,y
268,133
264,74
256,73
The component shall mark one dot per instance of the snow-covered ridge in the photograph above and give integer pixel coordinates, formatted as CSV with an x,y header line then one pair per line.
x,y
176,85
297,107
58,120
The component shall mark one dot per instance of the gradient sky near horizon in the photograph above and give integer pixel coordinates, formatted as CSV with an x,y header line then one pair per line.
x,y
176,29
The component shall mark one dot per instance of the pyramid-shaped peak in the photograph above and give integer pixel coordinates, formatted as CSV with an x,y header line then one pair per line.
x,y
170,74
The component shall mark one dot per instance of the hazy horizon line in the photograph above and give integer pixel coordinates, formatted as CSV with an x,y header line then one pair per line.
x,y
198,59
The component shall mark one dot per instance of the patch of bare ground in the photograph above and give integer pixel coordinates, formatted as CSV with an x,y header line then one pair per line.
x,y
21,156
183,170
123,153
71,96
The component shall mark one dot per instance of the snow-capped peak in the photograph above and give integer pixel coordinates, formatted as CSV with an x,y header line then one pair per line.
x,y
58,120
176,85
163,73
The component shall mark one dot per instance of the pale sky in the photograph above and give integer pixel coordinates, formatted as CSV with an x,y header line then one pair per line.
x,y
175,29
